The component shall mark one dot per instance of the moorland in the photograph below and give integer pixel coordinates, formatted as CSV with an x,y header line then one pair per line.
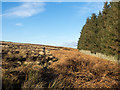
x,y
31,66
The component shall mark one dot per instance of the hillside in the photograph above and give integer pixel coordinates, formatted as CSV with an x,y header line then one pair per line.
x,y
27,66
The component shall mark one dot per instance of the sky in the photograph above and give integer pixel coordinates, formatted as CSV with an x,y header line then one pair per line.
x,y
48,23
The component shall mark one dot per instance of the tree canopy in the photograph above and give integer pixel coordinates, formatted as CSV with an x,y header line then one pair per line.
x,y
101,33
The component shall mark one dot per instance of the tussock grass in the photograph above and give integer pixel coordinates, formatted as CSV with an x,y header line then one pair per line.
x,y
22,69
84,71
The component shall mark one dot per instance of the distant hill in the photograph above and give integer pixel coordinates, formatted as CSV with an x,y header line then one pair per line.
x,y
29,44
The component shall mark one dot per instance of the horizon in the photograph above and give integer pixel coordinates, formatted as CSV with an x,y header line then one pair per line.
x,y
46,23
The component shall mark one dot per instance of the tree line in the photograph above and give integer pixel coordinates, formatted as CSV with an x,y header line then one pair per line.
x,y
101,32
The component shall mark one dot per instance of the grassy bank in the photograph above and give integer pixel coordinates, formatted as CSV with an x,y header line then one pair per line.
x,y
112,58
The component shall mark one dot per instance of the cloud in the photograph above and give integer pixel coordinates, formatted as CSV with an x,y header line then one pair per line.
x,y
25,10
70,44
18,24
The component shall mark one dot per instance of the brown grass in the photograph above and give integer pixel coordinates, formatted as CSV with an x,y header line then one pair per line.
x,y
72,70
84,71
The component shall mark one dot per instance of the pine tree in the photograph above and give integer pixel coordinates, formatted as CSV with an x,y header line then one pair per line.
x,y
104,31
83,40
112,27
93,33
101,33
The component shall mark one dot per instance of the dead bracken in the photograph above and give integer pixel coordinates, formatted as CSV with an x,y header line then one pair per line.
x,y
28,66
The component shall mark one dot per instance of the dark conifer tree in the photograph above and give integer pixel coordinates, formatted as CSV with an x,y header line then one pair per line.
x,y
100,28
101,33
83,42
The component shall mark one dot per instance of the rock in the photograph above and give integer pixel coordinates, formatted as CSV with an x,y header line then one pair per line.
x,y
9,53
35,55
37,62
50,57
19,62
50,62
27,63
54,60
32,51
41,53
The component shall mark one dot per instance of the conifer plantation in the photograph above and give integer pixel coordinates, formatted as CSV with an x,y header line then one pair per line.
x,y
100,34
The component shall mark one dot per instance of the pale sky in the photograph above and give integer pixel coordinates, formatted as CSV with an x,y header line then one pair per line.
x,y
48,23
